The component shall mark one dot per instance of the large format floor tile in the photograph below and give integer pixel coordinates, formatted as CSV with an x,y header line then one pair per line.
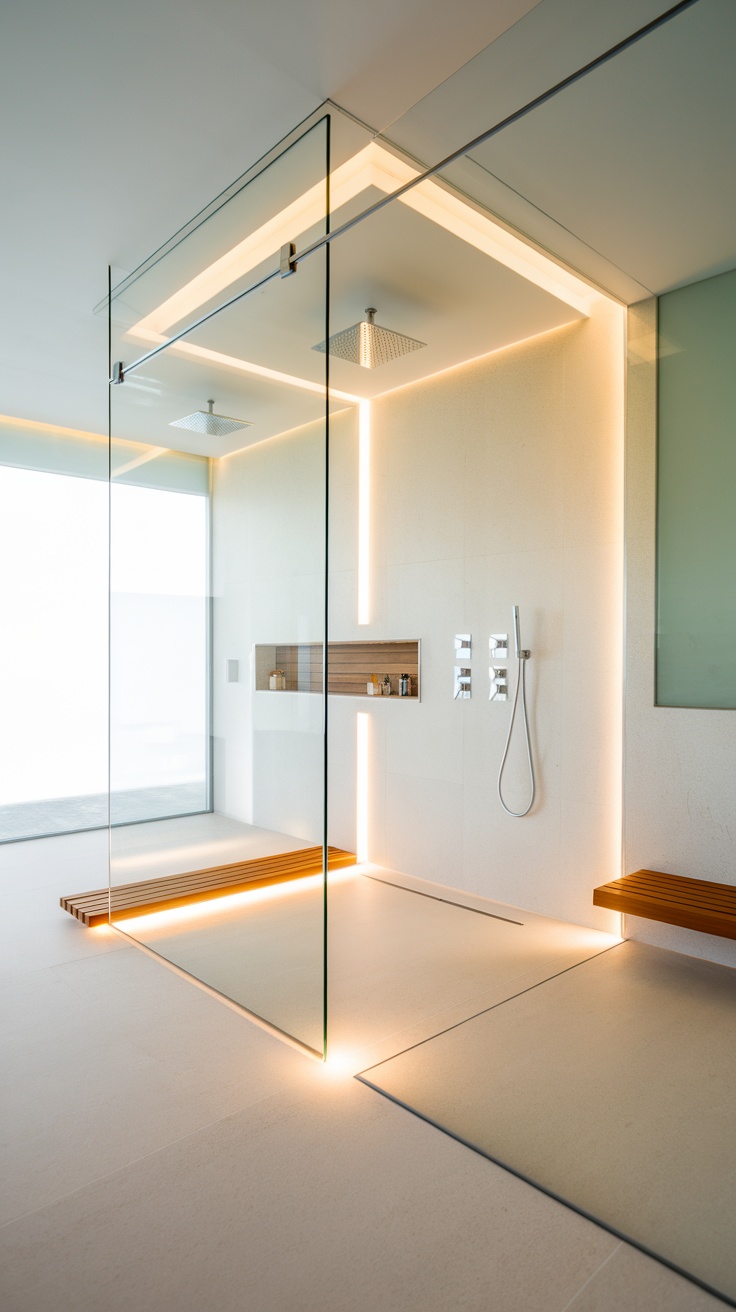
x,y
611,1086
402,963
324,1199
107,1059
160,1152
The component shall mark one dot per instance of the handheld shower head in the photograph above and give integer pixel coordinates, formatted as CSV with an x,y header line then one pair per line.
x,y
517,636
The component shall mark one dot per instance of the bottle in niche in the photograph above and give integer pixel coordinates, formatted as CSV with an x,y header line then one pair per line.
x,y
386,685
404,685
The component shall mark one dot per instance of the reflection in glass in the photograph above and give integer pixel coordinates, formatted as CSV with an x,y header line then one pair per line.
x,y
218,456
159,651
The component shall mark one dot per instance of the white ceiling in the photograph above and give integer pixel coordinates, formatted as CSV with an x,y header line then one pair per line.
x,y
120,123
630,174
424,281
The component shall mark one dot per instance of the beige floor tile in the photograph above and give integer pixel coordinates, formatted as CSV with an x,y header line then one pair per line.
x,y
631,1282
399,959
325,1199
162,1153
49,939
401,965
611,1086
116,1059
192,842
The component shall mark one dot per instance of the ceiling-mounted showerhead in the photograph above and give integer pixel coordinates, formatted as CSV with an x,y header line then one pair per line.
x,y
206,421
368,344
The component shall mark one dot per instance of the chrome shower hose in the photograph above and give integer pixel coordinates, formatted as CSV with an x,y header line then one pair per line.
x,y
522,658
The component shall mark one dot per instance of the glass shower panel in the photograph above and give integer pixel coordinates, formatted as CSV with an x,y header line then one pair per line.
x,y
233,244
495,478
218,496
432,463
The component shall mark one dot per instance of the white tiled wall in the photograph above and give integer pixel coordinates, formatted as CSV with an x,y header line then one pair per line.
x,y
500,482
267,566
495,484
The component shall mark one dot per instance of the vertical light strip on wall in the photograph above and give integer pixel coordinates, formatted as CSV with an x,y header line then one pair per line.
x,y
361,787
364,511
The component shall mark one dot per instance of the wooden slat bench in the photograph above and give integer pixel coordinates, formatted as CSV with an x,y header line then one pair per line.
x,y
674,899
149,895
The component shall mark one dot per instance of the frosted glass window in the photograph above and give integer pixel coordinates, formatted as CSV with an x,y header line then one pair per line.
x,y
696,496
53,653
159,738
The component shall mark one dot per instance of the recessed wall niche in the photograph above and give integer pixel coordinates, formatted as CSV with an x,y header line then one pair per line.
x,y
351,667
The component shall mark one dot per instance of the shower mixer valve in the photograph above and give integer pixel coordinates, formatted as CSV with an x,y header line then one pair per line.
x,y
498,650
499,676
462,682
498,646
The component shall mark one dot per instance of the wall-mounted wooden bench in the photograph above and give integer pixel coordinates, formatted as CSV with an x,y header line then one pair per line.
x,y
93,907
674,899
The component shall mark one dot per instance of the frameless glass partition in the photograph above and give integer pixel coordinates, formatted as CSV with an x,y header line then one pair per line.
x,y
448,348
497,478
217,604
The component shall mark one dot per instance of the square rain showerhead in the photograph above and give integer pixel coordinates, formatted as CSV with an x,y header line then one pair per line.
x,y
369,344
206,421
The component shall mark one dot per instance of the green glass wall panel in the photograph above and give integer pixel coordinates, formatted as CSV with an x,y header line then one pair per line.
x,y
696,496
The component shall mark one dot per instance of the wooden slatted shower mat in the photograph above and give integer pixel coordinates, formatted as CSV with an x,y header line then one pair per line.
x,y
673,899
171,891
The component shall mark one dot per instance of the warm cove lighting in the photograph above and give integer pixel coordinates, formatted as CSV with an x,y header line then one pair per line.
x,y
56,429
307,211
361,787
341,1063
248,367
199,911
364,511
375,167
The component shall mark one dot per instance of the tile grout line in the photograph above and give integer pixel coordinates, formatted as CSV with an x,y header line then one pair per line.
x,y
627,1239
502,1003
592,1276
136,1161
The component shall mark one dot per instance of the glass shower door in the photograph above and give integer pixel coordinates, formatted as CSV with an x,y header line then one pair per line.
x,y
218,448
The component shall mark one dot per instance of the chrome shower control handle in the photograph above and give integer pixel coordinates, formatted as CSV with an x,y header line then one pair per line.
x,y
499,691
462,682
498,646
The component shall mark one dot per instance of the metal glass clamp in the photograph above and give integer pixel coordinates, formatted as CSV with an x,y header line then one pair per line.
x,y
287,262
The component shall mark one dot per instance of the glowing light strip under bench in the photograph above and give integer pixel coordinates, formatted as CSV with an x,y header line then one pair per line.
x,y
94,907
